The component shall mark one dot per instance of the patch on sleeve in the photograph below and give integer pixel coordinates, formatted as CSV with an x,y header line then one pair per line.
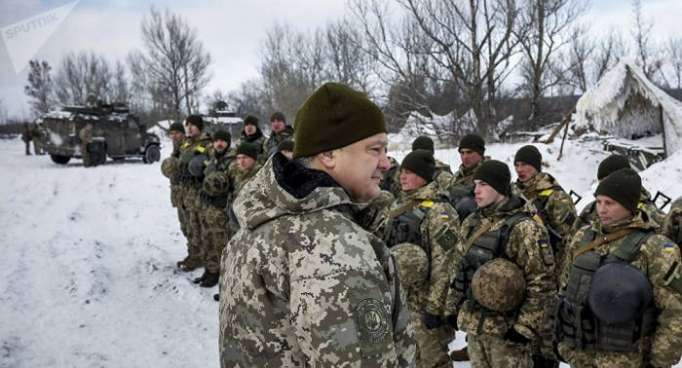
x,y
447,239
372,321
669,247
673,278
546,252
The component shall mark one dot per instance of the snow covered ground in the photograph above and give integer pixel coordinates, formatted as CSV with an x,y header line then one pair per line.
x,y
87,275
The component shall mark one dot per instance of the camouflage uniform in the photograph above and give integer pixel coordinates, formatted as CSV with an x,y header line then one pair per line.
x,y
659,260
490,333
270,145
554,206
303,285
257,139
443,176
191,205
85,136
672,226
462,182
589,213
425,218
214,193
170,169
391,180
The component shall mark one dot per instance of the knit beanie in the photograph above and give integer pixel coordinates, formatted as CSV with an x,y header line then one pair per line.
x,y
623,186
529,154
222,134
251,120
248,149
335,116
176,127
196,120
473,142
285,145
423,142
611,164
496,174
277,115
420,162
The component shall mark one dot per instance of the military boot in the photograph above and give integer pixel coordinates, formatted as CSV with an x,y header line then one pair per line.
x,y
216,297
461,355
201,278
188,264
210,279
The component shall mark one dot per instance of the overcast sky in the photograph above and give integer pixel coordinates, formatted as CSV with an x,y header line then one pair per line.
x,y
231,30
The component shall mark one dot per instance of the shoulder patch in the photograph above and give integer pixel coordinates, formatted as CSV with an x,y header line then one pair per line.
x,y
426,204
372,322
200,149
546,193
447,239
673,278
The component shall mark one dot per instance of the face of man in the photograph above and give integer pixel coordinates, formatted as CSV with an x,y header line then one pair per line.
x,y
359,167
277,125
249,129
192,130
175,136
485,195
610,211
288,154
245,162
524,171
469,158
410,181
219,145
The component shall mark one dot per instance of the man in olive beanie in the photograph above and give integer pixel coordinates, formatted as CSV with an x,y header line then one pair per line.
x,y
612,164
624,186
294,214
473,142
530,155
443,175
420,162
248,149
195,120
496,174
252,133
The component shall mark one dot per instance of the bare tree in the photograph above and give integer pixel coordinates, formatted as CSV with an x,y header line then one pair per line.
x,y
609,51
674,53
39,88
174,60
120,87
647,55
345,61
83,78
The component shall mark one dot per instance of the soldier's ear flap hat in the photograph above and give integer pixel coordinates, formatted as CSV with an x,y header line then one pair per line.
x,y
196,120
623,186
335,116
530,155
496,174
420,162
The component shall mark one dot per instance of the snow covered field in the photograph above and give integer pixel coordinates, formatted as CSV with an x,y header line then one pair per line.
x,y
87,275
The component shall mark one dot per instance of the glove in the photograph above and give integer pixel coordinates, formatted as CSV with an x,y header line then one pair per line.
x,y
516,337
432,321
451,321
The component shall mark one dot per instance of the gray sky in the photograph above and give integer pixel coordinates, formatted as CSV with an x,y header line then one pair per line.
x,y
231,31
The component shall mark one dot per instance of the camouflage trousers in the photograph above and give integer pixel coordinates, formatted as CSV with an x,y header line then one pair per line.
x,y
432,345
486,351
192,211
600,359
176,201
215,234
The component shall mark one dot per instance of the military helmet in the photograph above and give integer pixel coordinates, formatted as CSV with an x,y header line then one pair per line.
x,y
215,183
196,165
619,293
169,166
412,264
499,285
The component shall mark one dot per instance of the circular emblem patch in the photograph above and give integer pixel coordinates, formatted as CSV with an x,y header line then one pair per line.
x,y
372,320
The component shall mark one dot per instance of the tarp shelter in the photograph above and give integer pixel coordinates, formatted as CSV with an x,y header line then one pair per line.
x,y
626,104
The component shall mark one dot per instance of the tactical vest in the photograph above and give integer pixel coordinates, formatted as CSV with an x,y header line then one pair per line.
x,y
405,227
187,152
214,165
540,204
487,247
575,322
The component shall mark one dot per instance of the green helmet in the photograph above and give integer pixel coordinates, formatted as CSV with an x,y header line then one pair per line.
x,y
169,166
215,184
412,264
499,285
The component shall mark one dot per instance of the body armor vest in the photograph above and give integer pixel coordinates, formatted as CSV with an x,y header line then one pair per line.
x,y
216,164
405,228
575,322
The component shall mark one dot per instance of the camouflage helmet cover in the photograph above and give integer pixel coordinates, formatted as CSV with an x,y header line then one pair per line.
x,y
412,264
169,166
499,285
215,184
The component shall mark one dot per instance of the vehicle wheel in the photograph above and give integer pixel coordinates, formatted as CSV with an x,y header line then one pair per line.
x,y
151,154
59,159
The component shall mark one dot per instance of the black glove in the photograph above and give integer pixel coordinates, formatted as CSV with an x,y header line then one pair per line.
x,y
432,321
516,337
451,321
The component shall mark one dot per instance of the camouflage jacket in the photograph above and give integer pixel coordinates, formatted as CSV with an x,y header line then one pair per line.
x,y
659,260
672,225
305,285
391,180
188,149
85,134
554,206
257,139
527,247
465,176
443,176
217,182
270,145
438,232
238,177
589,213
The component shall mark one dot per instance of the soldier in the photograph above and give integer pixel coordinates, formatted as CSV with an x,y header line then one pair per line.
x,y
443,175
38,139
606,167
307,285
245,166
422,216
195,144
213,215
672,226
170,169
85,136
621,287
554,206
504,274
280,131
26,136
252,133
390,180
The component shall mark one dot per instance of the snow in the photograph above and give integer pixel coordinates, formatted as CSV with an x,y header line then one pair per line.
x,y
88,277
